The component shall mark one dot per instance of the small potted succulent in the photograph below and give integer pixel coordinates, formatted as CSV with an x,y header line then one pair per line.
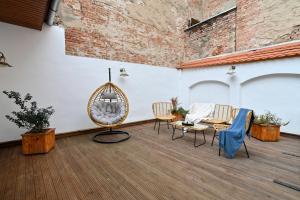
x,y
179,112
266,127
39,138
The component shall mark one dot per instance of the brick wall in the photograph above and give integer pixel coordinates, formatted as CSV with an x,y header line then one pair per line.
x,y
152,32
214,37
266,22
214,7
257,23
138,31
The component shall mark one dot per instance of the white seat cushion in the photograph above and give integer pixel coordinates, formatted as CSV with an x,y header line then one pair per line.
x,y
199,111
108,113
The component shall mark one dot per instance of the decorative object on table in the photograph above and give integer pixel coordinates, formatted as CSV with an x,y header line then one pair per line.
x,y
231,71
187,123
178,112
3,62
266,127
108,107
39,138
231,139
123,72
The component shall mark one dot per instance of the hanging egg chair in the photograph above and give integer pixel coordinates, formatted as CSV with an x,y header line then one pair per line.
x,y
108,107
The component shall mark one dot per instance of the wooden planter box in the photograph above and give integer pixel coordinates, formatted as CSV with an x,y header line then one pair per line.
x,y
266,133
34,143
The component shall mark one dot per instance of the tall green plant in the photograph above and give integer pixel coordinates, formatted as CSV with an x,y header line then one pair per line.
x,y
30,116
182,112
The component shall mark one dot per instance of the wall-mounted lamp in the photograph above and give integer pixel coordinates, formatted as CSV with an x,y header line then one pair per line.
x,y
123,72
231,71
3,62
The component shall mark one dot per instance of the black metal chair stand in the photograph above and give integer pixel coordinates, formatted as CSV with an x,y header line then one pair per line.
x,y
100,139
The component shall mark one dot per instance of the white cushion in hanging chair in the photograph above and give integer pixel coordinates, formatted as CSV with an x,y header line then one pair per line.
x,y
108,95
108,106
108,112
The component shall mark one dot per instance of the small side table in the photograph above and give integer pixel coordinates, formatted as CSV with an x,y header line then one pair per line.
x,y
196,128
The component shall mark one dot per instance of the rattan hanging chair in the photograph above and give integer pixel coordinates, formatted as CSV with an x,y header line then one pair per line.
x,y
108,107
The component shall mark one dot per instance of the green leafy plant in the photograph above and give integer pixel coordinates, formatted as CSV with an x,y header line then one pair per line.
x,y
181,111
178,110
269,119
30,116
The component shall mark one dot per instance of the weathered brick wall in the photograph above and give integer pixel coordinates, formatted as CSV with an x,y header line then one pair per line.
x,y
151,32
215,37
257,23
148,32
266,22
195,9
214,7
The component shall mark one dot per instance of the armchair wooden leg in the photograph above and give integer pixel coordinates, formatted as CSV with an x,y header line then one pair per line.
x,y
212,143
246,149
158,126
155,124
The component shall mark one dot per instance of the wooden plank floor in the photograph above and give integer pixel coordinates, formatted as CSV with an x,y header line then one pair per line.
x,y
149,166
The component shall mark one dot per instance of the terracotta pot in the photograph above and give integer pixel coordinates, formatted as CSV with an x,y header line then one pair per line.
x,y
178,117
266,133
34,143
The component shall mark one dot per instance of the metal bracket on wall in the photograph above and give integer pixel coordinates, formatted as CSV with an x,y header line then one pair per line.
x,y
209,19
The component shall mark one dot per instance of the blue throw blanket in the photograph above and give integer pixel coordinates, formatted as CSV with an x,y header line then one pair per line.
x,y
232,138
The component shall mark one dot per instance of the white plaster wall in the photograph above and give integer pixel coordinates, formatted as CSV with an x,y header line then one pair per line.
x,y
66,82
202,92
270,85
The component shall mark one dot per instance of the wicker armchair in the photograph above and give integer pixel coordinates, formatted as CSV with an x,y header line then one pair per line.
x,y
162,112
220,127
228,118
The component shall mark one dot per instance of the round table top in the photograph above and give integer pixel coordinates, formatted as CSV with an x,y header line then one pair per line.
x,y
199,127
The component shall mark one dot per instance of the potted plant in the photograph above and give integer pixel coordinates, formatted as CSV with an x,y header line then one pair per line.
x,y
179,112
39,138
266,127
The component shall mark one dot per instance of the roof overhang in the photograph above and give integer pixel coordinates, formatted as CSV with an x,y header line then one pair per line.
x,y
290,49
27,13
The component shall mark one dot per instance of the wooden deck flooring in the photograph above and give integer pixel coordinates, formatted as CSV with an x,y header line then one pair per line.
x,y
149,166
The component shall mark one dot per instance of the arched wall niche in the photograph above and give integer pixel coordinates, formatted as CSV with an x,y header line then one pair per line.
x,y
297,75
278,93
211,91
